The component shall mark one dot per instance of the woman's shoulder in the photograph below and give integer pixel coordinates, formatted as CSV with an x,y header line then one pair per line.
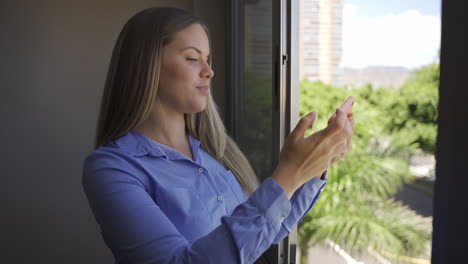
x,y
118,154
121,151
107,155
110,164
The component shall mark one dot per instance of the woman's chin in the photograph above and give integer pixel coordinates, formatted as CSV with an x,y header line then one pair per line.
x,y
197,109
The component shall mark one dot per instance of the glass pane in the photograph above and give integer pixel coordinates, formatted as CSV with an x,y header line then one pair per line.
x,y
255,132
379,198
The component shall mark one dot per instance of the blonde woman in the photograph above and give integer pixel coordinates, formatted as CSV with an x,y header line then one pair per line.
x,y
166,183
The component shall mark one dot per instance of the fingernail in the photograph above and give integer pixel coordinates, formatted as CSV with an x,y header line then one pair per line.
x,y
310,115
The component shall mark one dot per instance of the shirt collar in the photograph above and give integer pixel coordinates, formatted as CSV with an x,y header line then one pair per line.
x,y
137,144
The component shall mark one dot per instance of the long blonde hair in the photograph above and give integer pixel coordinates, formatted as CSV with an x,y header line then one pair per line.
x,y
132,85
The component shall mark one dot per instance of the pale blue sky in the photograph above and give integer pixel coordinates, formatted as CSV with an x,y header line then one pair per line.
x,y
390,33
378,8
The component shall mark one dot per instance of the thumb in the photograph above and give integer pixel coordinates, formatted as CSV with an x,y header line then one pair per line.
x,y
301,127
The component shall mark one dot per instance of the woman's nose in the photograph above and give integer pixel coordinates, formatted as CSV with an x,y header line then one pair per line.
x,y
210,73
207,71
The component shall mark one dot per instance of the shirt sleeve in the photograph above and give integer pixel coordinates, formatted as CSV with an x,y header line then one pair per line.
x,y
138,231
302,201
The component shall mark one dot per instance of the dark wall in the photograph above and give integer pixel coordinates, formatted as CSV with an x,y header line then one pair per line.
x,y
53,63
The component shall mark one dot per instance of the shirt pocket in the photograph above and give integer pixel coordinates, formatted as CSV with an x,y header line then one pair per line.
x,y
188,213
234,186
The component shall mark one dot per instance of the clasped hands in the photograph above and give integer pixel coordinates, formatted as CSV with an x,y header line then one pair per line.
x,y
303,158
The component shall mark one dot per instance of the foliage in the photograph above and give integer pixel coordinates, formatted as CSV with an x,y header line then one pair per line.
x,y
418,112
411,110
355,208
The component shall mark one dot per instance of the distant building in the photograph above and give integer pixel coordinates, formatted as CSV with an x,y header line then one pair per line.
x,y
321,40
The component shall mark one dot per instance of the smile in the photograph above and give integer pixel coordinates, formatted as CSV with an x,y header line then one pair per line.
x,y
204,90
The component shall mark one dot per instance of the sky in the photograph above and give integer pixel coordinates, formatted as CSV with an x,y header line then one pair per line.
x,y
403,33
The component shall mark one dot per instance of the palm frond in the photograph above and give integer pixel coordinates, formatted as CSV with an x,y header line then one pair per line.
x,y
384,225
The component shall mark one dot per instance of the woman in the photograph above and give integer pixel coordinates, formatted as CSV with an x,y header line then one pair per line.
x,y
166,183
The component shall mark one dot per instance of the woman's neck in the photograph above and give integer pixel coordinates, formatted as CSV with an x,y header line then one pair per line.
x,y
166,127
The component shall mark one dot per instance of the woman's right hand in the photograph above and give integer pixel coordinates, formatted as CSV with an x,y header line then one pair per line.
x,y
301,158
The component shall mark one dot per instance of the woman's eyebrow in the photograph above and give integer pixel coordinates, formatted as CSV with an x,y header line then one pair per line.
x,y
196,49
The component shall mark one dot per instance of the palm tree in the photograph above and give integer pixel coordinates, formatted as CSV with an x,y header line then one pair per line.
x,y
355,209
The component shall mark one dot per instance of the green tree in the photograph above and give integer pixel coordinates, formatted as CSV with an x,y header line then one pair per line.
x,y
356,209
417,109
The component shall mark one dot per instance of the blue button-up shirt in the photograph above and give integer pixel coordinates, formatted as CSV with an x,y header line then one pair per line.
x,y
155,205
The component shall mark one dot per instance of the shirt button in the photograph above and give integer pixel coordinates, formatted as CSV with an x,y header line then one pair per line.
x,y
200,170
220,198
282,219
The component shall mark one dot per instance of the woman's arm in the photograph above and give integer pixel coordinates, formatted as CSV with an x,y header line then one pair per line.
x,y
301,202
138,231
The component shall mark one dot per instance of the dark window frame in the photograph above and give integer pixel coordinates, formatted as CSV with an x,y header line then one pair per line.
x,y
450,228
281,112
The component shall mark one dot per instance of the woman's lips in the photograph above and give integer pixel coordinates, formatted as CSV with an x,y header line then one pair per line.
x,y
204,89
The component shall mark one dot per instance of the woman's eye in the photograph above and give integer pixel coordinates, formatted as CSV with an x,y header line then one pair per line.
x,y
190,59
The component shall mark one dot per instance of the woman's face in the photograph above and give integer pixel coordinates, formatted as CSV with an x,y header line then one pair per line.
x,y
184,81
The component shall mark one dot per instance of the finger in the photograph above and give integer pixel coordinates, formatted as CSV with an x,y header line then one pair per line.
x,y
301,127
339,140
337,125
331,118
346,132
343,147
334,160
350,144
351,120
337,158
